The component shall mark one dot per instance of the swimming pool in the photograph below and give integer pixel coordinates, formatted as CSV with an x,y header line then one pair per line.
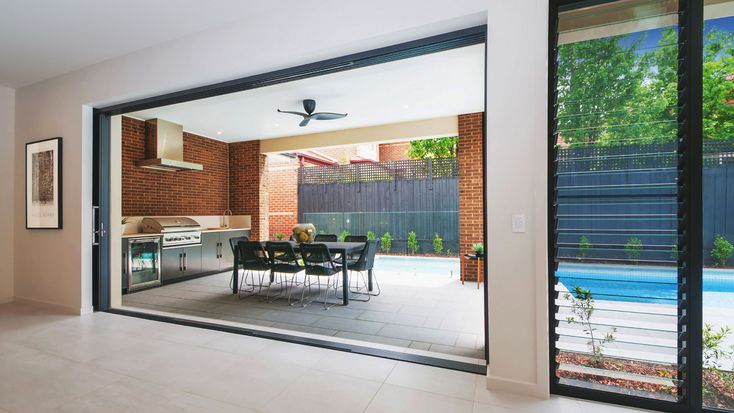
x,y
644,284
422,265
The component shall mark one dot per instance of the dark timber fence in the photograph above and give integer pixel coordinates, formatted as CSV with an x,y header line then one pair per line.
x,y
395,197
611,194
607,194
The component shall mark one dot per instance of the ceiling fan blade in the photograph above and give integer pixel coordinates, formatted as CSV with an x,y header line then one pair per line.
x,y
293,113
305,120
327,115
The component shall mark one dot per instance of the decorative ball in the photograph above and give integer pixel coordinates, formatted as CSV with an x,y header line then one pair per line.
x,y
304,233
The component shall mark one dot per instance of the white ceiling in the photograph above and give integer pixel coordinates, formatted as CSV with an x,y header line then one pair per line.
x,y
40,39
440,84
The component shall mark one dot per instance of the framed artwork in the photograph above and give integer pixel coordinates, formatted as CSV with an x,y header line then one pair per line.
x,y
43,184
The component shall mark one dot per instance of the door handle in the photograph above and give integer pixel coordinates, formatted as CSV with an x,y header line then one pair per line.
x,y
185,261
219,250
124,263
180,262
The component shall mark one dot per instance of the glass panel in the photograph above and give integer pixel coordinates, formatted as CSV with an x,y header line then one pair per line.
x,y
718,202
144,262
616,193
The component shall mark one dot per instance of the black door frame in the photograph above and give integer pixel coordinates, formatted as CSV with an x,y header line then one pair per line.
x,y
101,169
690,213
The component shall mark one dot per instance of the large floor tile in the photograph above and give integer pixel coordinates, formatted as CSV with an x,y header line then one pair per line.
x,y
319,391
345,324
249,383
48,383
397,399
442,381
429,335
196,365
358,366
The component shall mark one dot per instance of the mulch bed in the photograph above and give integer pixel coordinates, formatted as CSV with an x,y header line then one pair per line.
x,y
628,366
718,385
718,389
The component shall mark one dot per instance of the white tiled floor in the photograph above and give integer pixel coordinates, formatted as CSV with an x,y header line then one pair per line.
x,y
110,363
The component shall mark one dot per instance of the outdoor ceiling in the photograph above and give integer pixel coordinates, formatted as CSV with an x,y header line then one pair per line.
x,y
436,85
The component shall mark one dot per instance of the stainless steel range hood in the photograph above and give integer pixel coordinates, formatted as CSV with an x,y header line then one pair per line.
x,y
164,147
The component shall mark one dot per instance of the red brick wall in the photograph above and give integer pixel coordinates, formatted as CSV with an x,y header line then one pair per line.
x,y
394,151
282,174
471,189
148,193
248,185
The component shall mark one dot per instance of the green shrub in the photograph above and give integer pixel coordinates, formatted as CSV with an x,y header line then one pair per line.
x,y
633,248
582,309
370,235
343,235
437,244
413,246
478,248
713,346
584,247
279,235
722,250
386,242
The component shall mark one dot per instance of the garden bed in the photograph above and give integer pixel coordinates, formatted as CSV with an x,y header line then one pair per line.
x,y
718,388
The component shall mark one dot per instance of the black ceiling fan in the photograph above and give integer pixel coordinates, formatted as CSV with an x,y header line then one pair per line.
x,y
309,105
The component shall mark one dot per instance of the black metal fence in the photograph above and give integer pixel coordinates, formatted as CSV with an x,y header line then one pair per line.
x,y
396,197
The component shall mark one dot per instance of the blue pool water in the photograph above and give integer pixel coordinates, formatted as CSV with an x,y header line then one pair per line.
x,y
422,265
644,284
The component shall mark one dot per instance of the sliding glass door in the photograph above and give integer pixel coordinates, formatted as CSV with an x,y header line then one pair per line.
x,y
625,206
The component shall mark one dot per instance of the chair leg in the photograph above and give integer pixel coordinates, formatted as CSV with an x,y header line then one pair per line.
x,y
358,290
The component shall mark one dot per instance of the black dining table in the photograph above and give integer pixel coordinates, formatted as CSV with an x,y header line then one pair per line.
x,y
345,249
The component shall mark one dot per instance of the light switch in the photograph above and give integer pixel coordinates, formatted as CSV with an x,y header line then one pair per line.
x,y
518,223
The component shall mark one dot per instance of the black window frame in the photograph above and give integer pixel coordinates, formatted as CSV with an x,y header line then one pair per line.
x,y
101,178
690,212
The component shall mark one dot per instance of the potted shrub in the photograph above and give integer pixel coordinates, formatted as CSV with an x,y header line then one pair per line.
x,y
386,242
279,235
584,247
633,249
437,244
478,249
413,243
722,250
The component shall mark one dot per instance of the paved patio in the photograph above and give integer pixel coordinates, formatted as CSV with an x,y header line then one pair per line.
x,y
426,312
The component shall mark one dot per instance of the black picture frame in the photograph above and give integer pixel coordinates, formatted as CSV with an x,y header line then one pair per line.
x,y
57,184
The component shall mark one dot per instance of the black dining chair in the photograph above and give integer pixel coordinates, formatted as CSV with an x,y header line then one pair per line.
x,y
355,238
234,241
254,259
233,244
364,263
319,263
283,262
326,238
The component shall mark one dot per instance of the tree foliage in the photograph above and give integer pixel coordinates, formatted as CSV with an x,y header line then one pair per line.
x,y
618,90
434,148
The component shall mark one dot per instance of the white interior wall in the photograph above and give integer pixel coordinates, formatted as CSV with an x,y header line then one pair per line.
x,y
7,161
516,184
54,267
